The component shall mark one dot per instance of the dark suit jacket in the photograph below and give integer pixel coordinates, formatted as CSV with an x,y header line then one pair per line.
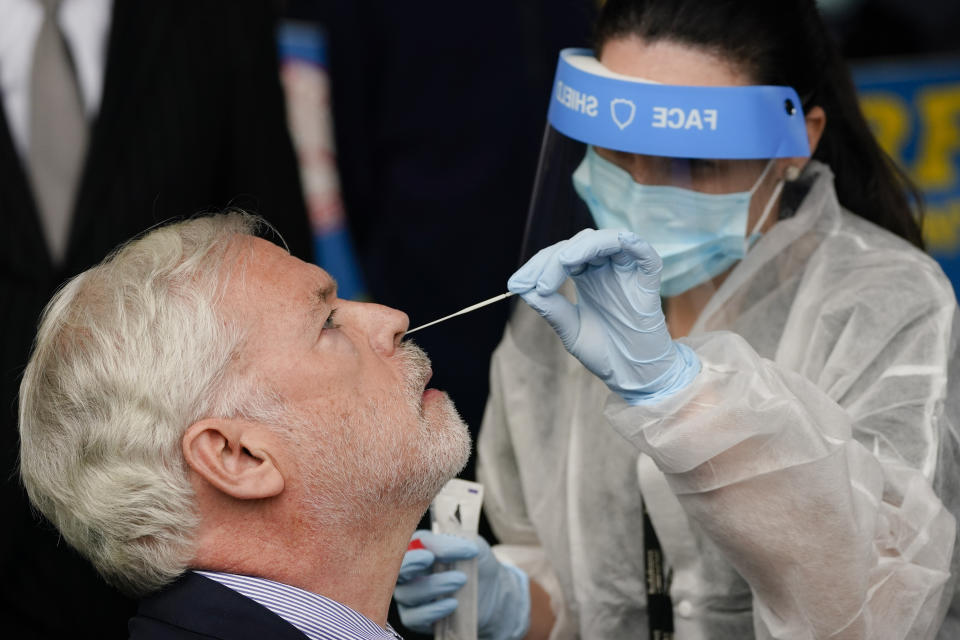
x,y
191,119
196,607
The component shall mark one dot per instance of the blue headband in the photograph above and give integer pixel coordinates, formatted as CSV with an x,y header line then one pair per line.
x,y
607,110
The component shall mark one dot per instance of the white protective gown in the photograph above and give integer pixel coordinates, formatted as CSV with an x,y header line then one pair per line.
x,y
806,485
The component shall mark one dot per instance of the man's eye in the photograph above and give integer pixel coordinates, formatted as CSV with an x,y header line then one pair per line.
x,y
331,322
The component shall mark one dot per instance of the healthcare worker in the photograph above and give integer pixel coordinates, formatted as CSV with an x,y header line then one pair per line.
x,y
771,452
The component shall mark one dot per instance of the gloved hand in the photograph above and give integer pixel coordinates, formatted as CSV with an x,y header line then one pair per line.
x,y
503,591
616,328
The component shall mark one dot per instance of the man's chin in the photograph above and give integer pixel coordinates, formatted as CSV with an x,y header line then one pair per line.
x,y
444,446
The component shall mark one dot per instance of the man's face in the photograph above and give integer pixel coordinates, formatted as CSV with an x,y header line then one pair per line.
x,y
363,432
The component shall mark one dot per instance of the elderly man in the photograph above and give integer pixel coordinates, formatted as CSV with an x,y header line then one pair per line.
x,y
217,433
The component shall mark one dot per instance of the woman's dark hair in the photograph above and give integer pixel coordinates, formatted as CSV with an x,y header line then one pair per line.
x,y
785,43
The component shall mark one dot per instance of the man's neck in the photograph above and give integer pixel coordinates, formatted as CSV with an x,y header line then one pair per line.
x,y
356,566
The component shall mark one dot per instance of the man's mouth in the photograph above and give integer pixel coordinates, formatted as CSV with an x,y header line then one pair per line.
x,y
429,393
427,381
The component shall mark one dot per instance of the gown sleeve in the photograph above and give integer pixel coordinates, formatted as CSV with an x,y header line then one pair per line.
x,y
823,474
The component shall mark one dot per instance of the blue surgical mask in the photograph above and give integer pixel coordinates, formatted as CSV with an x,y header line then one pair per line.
x,y
698,235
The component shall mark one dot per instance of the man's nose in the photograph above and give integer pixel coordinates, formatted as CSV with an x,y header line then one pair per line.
x,y
386,328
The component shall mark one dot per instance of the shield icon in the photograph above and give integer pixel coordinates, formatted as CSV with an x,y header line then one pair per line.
x,y
622,111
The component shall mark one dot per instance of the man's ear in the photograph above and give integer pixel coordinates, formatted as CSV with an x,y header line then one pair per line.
x,y
235,456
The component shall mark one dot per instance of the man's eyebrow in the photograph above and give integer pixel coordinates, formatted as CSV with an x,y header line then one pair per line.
x,y
321,294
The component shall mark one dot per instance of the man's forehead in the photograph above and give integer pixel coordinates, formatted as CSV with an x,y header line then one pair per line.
x,y
269,270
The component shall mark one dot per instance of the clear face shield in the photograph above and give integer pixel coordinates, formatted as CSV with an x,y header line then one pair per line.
x,y
689,169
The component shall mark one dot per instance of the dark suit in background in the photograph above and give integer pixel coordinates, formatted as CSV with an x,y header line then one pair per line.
x,y
191,119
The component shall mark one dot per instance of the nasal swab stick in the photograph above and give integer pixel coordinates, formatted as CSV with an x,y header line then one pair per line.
x,y
473,307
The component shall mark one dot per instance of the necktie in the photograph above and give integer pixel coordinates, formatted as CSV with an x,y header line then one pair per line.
x,y
58,131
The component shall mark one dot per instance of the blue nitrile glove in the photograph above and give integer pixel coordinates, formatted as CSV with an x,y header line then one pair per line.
x,y
503,591
616,328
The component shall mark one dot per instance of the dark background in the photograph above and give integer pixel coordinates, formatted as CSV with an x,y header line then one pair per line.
x,y
439,109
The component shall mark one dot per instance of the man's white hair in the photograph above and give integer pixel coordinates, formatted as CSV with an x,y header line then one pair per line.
x,y
128,355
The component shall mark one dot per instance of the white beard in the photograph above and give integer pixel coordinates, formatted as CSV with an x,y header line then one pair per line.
x,y
387,455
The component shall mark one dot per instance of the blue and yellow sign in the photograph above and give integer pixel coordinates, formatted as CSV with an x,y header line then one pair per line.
x,y
914,110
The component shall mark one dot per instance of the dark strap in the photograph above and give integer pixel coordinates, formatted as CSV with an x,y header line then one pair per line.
x,y
659,606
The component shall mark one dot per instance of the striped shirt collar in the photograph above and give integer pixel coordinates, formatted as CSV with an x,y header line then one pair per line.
x,y
317,617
